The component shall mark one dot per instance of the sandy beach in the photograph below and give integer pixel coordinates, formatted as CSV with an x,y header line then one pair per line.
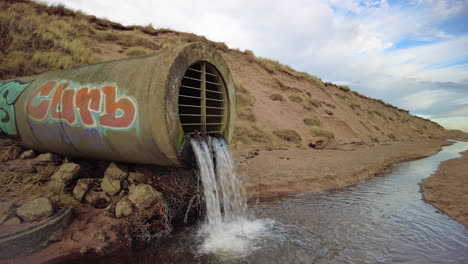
x,y
288,171
447,189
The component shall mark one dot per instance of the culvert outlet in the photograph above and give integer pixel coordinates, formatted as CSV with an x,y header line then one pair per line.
x,y
137,109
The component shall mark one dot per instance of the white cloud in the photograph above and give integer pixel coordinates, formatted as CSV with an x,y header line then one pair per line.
x,y
460,111
424,99
351,41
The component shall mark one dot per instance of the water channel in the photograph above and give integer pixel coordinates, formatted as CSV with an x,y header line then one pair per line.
x,y
382,220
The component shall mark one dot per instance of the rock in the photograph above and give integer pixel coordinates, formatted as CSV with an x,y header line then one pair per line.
x,y
48,157
110,211
56,187
136,178
97,199
144,196
123,208
81,188
35,209
116,171
12,221
111,186
131,188
113,176
6,210
66,173
28,154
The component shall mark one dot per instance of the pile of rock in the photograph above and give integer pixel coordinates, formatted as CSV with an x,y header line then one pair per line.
x,y
119,192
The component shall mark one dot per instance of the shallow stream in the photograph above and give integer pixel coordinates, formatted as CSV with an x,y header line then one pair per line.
x,y
382,220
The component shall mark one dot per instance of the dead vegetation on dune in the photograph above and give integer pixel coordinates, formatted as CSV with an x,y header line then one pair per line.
x,y
35,38
312,121
276,97
321,132
288,135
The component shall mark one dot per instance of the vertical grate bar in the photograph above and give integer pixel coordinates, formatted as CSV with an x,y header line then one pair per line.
x,y
203,96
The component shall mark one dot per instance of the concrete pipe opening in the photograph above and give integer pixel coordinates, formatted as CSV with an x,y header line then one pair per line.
x,y
138,109
202,100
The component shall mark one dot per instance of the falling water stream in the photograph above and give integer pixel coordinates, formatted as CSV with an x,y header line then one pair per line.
x,y
382,220
228,229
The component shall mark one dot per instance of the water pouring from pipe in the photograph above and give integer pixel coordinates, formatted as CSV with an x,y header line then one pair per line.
x,y
228,230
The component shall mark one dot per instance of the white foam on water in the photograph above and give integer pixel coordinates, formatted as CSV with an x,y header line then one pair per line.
x,y
227,230
235,239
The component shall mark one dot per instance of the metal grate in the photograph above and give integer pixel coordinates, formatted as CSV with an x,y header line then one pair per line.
x,y
202,100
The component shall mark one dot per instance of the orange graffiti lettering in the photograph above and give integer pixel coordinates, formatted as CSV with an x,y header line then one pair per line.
x,y
40,110
73,104
86,101
57,101
125,105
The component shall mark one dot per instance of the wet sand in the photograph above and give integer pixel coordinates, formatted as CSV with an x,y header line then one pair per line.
x,y
447,189
288,171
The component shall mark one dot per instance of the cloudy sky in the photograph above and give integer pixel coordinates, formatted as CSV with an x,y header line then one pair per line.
x,y
410,53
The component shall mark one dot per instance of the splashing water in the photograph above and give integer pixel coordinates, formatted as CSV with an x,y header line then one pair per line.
x,y
228,230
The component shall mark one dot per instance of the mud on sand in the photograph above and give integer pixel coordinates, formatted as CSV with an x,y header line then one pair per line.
x,y
447,189
286,171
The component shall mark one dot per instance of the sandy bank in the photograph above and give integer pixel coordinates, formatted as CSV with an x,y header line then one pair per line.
x,y
286,171
447,189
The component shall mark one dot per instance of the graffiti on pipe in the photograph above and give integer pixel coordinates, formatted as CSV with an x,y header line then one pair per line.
x,y
68,134
92,106
9,94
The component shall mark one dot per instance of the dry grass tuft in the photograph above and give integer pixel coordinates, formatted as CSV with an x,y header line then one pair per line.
x,y
9,150
250,136
17,183
276,97
150,30
314,103
244,98
354,106
321,132
137,51
247,114
245,103
344,88
312,121
250,55
295,99
341,96
288,135
272,67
